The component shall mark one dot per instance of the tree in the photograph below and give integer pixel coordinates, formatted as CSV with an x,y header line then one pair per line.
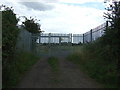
x,y
112,34
9,31
32,26
9,38
113,14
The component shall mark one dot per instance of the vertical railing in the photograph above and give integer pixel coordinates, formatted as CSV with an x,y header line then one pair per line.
x,y
49,38
95,33
89,36
83,39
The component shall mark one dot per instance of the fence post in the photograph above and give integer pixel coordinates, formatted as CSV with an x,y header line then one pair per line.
x,y
40,38
71,38
49,38
59,40
30,41
83,39
91,35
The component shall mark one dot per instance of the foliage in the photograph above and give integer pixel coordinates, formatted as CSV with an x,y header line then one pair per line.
x,y
13,64
112,34
101,58
32,26
9,36
23,61
98,62
9,39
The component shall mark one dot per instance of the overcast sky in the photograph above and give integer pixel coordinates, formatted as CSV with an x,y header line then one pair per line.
x,y
61,16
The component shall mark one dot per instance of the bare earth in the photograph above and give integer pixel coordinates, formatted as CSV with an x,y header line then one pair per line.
x,y
69,76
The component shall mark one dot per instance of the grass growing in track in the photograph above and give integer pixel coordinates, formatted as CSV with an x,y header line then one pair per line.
x,y
54,65
23,61
53,62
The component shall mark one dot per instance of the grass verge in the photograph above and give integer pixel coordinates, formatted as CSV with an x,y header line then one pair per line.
x,y
97,62
22,62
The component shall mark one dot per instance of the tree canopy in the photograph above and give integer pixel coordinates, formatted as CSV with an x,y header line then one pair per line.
x,y
9,31
32,26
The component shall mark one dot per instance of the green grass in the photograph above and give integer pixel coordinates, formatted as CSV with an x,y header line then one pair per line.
x,y
23,61
96,62
53,62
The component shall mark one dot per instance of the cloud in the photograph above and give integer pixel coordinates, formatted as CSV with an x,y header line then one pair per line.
x,y
46,1
79,1
71,19
37,6
62,18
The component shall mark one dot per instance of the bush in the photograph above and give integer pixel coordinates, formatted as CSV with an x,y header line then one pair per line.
x,y
23,61
98,62
9,39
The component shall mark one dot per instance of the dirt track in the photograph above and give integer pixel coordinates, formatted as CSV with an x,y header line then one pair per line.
x,y
69,76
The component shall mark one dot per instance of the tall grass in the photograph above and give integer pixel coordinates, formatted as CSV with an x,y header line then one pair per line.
x,y
98,62
22,62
